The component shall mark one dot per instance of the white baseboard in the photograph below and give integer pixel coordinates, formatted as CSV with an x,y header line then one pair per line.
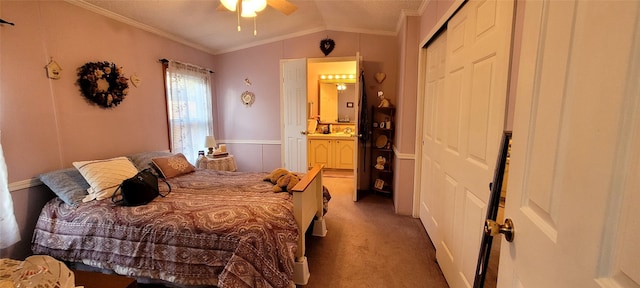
x,y
24,184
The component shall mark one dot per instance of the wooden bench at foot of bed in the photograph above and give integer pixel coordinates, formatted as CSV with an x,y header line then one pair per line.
x,y
307,203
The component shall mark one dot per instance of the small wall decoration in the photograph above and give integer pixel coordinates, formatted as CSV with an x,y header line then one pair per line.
x,y
380,76
53,69
103,83
327,45
135,80
247,98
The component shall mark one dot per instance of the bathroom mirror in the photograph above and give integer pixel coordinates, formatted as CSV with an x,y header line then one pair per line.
x,y
337,100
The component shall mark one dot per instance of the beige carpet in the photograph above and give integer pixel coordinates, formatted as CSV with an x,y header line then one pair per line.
x,y
368,245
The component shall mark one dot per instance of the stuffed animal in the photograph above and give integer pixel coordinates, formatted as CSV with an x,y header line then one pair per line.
x,y
275,175
283,179
286,183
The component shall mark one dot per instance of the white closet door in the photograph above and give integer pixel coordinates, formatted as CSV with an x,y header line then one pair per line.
x,y
574,176
430,199
463,125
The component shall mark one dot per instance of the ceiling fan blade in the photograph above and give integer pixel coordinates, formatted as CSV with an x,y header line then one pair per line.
x,y
283,6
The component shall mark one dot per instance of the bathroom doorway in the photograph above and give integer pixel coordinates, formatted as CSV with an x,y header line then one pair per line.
x,y
333,92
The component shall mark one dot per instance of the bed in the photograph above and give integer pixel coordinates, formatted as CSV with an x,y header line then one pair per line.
x,y
215,228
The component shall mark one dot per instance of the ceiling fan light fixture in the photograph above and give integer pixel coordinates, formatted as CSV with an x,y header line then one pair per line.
x,y
230,4
259,5
248,14
250,7
247,9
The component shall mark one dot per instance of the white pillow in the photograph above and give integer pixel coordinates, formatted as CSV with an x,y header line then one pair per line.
x,y
104,176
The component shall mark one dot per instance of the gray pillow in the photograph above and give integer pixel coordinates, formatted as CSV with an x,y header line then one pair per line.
x,y
68,184
143,160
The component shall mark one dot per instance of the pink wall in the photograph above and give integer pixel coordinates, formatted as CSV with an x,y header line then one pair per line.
x,y
409,85
250,131
406,116
46,124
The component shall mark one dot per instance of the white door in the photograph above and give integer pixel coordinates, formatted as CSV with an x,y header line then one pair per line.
x,y
294,114
574,180
430,199
465,105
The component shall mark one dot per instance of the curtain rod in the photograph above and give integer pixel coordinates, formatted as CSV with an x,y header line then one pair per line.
x,y
163,60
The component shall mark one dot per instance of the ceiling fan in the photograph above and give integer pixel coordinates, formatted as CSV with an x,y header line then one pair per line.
x,y
249,8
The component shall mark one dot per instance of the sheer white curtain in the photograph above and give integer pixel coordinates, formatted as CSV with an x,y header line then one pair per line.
x,y
9,233
189,108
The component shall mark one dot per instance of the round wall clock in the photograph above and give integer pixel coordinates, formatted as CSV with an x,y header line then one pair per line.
x,y
247,98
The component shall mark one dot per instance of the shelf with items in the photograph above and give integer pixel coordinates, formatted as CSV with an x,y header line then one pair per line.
x,y
382,157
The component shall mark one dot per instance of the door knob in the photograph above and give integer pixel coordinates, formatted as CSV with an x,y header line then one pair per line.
x,y
303,132
492,228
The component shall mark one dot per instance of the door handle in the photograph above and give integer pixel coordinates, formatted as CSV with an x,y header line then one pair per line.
x,y
303,132
492,228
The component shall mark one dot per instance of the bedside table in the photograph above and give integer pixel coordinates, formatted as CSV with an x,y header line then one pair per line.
x,y
227,163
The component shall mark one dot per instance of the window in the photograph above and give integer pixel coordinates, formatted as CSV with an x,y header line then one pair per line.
x,y
188,107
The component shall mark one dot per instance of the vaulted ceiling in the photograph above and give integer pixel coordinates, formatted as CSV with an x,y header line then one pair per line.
x,y
201,24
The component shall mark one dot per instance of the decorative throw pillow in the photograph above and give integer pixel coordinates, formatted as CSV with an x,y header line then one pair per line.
x,y
68,184
173,166
143,160
104,176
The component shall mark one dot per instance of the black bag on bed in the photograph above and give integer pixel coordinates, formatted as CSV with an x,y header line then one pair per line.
x,y
138,190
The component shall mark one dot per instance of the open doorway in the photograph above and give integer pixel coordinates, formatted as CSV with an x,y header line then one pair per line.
x,y
333,94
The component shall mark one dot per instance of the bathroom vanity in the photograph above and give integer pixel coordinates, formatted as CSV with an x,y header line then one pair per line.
x,y
334,151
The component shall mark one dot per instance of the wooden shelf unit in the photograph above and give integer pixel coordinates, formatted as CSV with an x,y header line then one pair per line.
x,y
383,126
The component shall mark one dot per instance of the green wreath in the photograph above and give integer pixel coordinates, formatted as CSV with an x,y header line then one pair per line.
x,y
103,83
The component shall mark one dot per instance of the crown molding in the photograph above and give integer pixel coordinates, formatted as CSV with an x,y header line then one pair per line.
x,y
134,23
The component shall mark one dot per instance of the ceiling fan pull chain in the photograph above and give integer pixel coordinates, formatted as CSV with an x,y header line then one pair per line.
x,y
255,29
238,8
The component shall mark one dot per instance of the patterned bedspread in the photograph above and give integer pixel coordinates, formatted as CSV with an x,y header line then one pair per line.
x,y
215,228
